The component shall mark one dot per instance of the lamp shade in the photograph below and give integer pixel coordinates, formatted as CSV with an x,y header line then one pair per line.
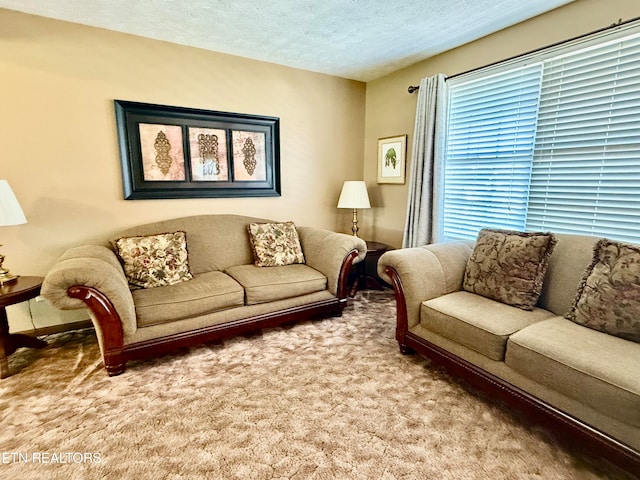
x,y
10,211
354,195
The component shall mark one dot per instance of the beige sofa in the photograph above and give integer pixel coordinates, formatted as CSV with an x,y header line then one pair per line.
x,y
582,382
228,294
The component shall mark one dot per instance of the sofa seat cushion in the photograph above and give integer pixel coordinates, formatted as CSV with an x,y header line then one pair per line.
x,y
593,367
205,293
477,322
266,284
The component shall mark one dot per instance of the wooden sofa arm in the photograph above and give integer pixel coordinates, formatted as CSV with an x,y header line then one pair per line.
x,y
108,326
332,254
422,273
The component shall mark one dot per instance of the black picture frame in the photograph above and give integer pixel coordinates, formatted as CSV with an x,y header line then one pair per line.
x,y
176,152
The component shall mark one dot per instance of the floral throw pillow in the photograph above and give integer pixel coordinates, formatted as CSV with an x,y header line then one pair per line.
x,y
608,297
275,244
509,266
154,260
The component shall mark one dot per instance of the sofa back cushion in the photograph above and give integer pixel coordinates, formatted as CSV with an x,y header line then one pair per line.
x,y
154,260
571,256
608,298
275,244
214,242
509,266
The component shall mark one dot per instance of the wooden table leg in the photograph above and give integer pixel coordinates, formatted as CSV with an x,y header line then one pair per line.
x,y
4,363
10,343
4,343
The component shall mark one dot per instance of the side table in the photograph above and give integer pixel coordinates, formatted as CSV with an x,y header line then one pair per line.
x,y
23,289
366,276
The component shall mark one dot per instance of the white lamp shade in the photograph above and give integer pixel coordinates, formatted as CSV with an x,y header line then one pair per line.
x,y
10,211
354,195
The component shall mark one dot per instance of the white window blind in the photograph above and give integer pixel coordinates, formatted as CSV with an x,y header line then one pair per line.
x,y
489,149
586,166
551,142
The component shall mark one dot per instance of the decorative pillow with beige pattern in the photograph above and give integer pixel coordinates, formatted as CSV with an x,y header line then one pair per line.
x,y
509,266
154,260
275,244
608,297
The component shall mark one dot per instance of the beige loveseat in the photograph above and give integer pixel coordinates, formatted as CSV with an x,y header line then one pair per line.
x,y
227,294
582,382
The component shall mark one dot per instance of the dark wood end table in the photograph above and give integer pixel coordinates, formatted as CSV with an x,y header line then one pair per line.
x,y
21,290
366,276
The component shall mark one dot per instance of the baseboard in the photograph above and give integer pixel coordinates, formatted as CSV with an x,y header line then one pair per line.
x,y
65,327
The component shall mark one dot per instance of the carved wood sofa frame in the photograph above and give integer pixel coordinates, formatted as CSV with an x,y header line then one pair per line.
x,y
116,354
534,411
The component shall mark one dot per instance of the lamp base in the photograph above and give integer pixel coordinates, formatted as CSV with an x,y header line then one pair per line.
x,y
7,277
354,223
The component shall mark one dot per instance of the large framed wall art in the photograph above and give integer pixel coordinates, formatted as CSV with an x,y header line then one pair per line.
x,y
174,152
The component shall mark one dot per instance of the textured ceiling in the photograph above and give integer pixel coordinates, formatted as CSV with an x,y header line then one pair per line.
x,y
357,39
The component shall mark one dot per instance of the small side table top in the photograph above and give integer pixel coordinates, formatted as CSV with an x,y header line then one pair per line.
x,y
376,247
21,290
24,288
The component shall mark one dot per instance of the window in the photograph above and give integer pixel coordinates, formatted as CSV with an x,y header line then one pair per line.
x,y
490,140
547,142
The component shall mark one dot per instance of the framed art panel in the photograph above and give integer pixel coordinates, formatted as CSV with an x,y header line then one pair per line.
x,y
175,152
208,154
249,160
161,152
391,159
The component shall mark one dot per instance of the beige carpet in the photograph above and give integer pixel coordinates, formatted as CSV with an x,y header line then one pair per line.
x,y
327,399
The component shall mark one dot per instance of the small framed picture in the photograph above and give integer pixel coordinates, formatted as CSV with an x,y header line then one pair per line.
x,y
392,153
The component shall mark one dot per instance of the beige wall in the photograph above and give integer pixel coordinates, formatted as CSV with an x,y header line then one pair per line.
x,y
391,110
59,147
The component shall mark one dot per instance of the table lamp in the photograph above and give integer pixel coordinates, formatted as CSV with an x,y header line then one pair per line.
x,y
10,214
354,195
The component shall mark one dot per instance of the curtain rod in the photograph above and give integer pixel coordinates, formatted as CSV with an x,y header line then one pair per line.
x,y
619,23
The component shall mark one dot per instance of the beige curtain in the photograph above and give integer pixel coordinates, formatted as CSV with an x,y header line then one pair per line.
x,y
421,223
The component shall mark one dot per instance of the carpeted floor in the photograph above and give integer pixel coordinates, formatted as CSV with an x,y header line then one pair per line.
x,y
326,399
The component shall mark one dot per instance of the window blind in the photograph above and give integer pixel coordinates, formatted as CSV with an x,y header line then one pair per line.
x,y
489,149
548,143
586,166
